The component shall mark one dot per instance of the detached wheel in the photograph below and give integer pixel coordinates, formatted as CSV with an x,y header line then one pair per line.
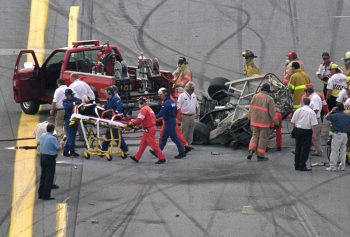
x,y
108,157
201,134
86,155
30,107
216,85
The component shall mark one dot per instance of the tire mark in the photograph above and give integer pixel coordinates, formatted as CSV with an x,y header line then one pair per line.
x,y
261,39
140,37
293,24
126,220
166,226
212,217
298,198
335,26
251,194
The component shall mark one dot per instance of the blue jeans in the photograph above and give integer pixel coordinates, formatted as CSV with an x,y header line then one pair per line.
x,y
71,132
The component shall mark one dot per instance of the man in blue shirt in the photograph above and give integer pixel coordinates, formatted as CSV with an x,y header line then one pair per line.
x,y
115,103
71,130
49,148
168,113
340,126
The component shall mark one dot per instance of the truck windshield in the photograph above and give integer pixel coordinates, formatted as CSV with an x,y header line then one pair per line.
x,y
82,61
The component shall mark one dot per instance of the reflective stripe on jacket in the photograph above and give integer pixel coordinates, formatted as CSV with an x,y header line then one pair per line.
x,y
297,85
262,111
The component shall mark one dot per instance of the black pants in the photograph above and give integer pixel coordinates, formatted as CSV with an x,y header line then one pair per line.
x,y
303,138
325,90
48,167
331,102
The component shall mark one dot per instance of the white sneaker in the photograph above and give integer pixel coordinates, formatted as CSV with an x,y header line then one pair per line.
x,y
341,167
331,169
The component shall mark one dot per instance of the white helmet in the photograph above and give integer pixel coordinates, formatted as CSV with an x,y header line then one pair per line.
x,y
160,91
347,55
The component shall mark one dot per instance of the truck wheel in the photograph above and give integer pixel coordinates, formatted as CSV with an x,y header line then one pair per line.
x,y
201,134
217,84
30,107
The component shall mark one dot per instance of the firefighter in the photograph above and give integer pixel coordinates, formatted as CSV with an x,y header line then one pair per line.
x,y
278,115
336,83
346,67
182,75
297,83
250,69
114,102
71,129
147,118
323,72
292,57
261,115
168,113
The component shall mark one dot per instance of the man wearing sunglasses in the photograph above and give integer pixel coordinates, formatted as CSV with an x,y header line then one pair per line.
x,y
323,72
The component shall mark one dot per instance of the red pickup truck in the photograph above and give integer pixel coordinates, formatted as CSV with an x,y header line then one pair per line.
x,y
100,66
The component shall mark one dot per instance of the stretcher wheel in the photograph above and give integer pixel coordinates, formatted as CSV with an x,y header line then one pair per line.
x,y
123,155
108,157
86,155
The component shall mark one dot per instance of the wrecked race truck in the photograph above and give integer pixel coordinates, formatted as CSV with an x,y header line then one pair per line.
x,y
224,113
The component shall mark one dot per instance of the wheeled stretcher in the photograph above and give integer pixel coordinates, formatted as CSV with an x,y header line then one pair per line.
x,y
91,127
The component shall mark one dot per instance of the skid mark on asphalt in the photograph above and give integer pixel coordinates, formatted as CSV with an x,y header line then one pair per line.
x,y
298,196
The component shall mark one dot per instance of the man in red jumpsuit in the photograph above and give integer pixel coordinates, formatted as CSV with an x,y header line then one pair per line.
x,y
147,118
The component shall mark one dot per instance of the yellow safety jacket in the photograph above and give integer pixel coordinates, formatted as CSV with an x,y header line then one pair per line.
x,y
297,85
250,69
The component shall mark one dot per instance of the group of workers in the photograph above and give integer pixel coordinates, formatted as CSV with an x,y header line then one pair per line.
x,y
59,132
309,107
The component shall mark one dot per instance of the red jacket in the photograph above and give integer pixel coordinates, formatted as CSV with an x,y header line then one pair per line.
x,y
146,117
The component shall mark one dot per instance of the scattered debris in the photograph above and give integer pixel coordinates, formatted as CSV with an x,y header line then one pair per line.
x,y
247,209
94,222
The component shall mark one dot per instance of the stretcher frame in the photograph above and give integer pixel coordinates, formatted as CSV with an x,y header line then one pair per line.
x,y
94,138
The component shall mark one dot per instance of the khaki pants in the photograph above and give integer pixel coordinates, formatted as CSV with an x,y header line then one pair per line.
x,y
187,127
59,124
338,150
259,139
316,137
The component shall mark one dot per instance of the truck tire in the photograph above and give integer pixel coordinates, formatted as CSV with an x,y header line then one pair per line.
x,y
200,134
217,84
30,107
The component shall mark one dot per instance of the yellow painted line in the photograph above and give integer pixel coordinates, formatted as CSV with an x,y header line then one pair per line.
x,y
61,208
23,191
73,24
61,219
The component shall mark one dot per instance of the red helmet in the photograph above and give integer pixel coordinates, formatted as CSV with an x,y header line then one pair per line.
x,y
292,55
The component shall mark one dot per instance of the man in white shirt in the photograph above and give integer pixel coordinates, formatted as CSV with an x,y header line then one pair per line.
x,y
41,128
304,120
316,106
81,88
57,109
188,104
343,95
323,72
336,83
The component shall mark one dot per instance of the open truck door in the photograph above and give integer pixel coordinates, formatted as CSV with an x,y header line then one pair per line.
x,y
27,86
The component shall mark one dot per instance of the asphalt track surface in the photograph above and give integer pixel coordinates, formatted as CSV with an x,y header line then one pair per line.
x,y
204,194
